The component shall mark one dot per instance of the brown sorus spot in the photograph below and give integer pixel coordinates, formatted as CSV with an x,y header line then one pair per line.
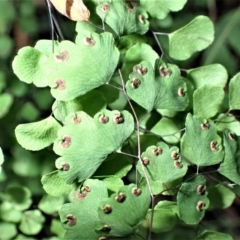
x,y
135,83
165,72
141,69
106,228
105,8
205,126
175,155
201,189
60,84
141,19
89,41
231,136
66,141
81,195
76,119
63,56
86,188
157,151
103,119
107,209
200,205
120,197
214,146
65,166
117,118
181,92
177,164
103,238
145,161
136,191
71,219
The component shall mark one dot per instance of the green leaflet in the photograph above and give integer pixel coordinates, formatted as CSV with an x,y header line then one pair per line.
x,y
134,55
169,127
123,19
32,222
6,101
159,161
62,108
80,218
195,36
50,204
234,85
164,217
75,69
160,87
229,166
54,185
30,66
211,235
85,142
192,200
204,104
124,210
214,74
201,144
220,197
160,8
38,135
8,230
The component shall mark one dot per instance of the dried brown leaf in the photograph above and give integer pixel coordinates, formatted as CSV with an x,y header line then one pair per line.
x,y
73,9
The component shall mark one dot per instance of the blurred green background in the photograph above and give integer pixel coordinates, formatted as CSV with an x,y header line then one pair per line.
x,y
22,23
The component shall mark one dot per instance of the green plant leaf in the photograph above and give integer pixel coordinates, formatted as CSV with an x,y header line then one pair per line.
x,y
195,36
32,222
124,210
113,183
160,8
159,161
220,197
50,204
116,165
192,200
38,135
80,218
228,122
123,19
167,126
158,87
54,185
8,230
214,74
204,104
62,108
229,166
75,69
29,112
212,235
30,66
56,228
134,55
164,217
6,101
8,213
19,197
234,85
82,153
201,144
45,46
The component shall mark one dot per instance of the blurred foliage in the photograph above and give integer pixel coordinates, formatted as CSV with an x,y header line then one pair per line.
x,y
21,194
